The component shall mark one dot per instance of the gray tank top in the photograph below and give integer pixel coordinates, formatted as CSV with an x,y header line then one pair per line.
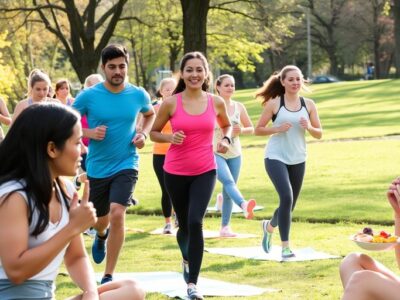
x,y
288,147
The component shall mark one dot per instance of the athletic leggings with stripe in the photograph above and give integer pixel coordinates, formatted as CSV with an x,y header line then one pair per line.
x,y
287,180
190,196
158,164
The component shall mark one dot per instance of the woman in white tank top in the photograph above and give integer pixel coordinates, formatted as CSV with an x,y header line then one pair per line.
x,y
41,220
285,153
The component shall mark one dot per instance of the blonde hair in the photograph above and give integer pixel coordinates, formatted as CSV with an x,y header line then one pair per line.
x,y
92,79
163,83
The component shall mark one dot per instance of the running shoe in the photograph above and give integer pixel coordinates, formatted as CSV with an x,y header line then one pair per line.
x,y
193,293
287,253
249,209
99,248
106,278
167,228
267,236
226,232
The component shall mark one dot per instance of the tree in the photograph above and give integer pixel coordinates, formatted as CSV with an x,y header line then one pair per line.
x,y
396,17
326,17
195,25
79,38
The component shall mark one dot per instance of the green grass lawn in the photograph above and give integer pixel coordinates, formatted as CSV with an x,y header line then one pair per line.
x,y
347,174
301,280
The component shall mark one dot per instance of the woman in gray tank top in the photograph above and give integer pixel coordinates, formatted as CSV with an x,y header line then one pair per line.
x,y
285,153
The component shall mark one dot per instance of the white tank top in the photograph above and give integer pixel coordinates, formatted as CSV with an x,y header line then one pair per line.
x,y
288,147
51,270
235,148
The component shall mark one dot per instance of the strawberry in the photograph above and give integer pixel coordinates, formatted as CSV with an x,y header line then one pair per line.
x,y
384,234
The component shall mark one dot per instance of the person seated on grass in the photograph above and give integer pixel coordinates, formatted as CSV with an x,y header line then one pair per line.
x,y
41,219
364,278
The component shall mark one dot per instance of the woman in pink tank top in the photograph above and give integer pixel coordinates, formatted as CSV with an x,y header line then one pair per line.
x,y
190,168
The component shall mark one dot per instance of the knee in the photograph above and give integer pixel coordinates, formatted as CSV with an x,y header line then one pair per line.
x,y
195,225
117,216
350,259
138,292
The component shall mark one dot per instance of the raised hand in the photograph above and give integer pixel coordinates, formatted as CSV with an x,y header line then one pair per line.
x,y
393,195
139,140
305,123
284,127
178,137
82,215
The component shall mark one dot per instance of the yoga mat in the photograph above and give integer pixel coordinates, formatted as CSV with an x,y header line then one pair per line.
x,y
173,285
275,254
208,234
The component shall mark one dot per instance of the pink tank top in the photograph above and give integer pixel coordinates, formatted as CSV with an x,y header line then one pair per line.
x,y
195,155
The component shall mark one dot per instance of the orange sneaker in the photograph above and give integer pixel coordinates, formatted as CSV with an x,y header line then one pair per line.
x,y
248,209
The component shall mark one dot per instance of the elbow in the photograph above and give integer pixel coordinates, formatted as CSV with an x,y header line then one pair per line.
x,y
152,136
16,276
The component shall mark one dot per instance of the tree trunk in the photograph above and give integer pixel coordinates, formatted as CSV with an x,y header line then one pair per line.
x,y
195,25
396,16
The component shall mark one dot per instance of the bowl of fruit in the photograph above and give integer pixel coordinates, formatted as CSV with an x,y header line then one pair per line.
x,y
369,240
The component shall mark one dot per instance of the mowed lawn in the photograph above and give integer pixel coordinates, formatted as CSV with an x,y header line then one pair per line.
x,y
347,175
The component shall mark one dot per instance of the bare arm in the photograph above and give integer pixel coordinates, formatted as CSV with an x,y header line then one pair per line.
x,y
247,125
20,262
79,267
266,116
18,109
163,116
314,126
4,114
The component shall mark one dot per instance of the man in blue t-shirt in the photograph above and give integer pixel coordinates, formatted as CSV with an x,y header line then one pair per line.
x,y
112,108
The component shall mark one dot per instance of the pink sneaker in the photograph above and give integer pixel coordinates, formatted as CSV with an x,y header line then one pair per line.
x,y
226,232
248,209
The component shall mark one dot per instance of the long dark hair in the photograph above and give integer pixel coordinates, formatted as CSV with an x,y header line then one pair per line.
x,y
190,55
23,154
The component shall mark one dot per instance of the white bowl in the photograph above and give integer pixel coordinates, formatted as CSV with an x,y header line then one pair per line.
x,y
374,246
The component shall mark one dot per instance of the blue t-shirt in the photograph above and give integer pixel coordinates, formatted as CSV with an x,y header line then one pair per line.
x,y
117,111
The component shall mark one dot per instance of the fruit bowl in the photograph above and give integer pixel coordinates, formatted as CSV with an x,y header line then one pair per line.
x,y
374,246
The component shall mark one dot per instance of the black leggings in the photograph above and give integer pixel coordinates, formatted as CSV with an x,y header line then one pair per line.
x,y
287,180
190,196
166,204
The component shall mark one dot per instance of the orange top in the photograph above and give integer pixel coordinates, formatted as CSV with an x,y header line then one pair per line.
x,y
162,148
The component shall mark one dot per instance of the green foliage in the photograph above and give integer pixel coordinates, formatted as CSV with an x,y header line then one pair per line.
x,y
6,75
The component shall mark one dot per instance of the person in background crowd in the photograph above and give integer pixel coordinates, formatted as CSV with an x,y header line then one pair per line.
x,y
167,86
229,163
62,92
38,88
285,153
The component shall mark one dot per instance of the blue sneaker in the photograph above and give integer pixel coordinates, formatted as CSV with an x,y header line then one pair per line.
x,y
106,278
267,237
99,248
185,267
